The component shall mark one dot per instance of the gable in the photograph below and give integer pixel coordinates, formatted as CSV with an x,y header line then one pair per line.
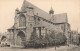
x,y
37,11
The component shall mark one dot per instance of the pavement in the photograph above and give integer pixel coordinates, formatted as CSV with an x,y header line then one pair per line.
x,y
61,48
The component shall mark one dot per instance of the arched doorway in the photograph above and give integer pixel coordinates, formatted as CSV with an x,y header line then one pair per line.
x,y
3,38
21,39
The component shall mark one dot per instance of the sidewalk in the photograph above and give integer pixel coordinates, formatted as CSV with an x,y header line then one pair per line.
x,y
62,48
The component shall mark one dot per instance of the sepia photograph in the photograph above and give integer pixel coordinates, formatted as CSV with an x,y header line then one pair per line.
x,y
39,25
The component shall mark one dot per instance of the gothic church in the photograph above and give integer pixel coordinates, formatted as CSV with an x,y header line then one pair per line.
x,y
32,19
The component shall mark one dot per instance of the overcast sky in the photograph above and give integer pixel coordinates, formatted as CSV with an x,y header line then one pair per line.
x,y
71,7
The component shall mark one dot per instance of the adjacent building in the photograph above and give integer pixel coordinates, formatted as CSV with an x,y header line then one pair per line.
x,y
74,37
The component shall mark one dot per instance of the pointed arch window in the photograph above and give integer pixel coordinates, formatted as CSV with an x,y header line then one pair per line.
x,y
22,20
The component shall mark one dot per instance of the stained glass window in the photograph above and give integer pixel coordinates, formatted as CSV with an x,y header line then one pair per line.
x,y
22,20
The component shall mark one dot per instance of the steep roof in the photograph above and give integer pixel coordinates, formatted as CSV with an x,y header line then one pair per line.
x,y
59,18
37,10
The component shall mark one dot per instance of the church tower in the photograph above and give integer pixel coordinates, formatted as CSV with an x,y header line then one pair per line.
x,y
51,12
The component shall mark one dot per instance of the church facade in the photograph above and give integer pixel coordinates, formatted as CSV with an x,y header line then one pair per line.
x,y
32,20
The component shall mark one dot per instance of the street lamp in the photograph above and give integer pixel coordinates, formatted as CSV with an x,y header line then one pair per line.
x,y
55,39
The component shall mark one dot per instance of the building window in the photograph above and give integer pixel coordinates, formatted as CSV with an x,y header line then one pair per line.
x,y
38,19
30,25
37,32
31,18
22,20
43,31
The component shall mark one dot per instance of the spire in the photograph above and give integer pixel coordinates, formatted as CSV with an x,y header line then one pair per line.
x,y
51,11
24,5
24,0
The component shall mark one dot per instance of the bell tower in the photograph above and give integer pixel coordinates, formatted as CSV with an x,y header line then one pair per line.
x,y
51,12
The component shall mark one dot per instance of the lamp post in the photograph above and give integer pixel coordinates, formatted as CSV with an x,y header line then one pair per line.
x,y
55,39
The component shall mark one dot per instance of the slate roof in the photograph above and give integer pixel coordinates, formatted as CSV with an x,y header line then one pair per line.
x,y
59,18
40,12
